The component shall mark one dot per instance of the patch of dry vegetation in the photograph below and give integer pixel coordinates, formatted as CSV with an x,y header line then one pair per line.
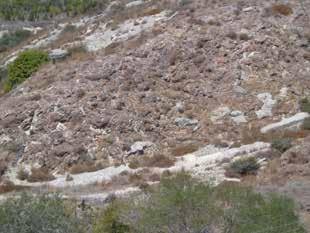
x,y
282,9
157,160
40,175
86,167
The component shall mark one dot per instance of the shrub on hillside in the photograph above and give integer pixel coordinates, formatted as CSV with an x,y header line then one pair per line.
x,y
282,144
44,214
182,204
10,40
304,105
24,66
243,166
39,175
306,124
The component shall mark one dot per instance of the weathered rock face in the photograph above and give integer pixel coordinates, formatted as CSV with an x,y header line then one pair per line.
x,y
96,108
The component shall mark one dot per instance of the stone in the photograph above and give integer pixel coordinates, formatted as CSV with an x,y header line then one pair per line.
x,y
291,122
57,54
220,113
185,122
69,177
238,117
134,3
268,103
180,107
240,90
139,147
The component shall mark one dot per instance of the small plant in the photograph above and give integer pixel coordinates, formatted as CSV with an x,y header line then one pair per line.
x,y
304,105
243,166
24,66
282,144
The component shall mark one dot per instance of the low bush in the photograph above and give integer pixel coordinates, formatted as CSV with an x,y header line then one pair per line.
x,y
306,124
43,214
181,150
157,160
182,204
243,166
304,105
86,167
282,144
24,66
10,40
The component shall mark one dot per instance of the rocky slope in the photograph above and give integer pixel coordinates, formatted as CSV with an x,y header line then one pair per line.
x,y
157,80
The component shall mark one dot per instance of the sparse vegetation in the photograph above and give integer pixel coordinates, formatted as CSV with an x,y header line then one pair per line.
x,y
157,160
181,150
24,66
29,214
306,124
304,105
282,144
10,40
181,202
86,167
33,10
243,166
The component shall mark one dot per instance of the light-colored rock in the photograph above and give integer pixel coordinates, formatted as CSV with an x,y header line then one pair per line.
x,y
185,122
291,122
105,36
2,33
138,147
56,54
238,117
134,3
220,113
268,104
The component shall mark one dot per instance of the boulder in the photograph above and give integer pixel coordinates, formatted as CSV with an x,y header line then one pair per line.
x,y
57,54
287,123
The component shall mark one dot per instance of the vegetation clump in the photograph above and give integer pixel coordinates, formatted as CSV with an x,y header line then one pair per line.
x,y
29,214
242,167
181,202
10,40
282,144
24,66
304,105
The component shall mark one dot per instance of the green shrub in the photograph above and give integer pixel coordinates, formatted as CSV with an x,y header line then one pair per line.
x,y
43,214
304,105
110,221
306,124
24,66
182,204
243,166
10,40
282,144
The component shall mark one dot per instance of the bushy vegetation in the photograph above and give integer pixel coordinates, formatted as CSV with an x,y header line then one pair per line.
x,y
282,144
36,9
181,204
243,166
12,39
43,214
24,66
304,105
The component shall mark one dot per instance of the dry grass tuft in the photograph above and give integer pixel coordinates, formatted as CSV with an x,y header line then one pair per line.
x,y
86,167
184,149
282,9
8,186
40,175
157,160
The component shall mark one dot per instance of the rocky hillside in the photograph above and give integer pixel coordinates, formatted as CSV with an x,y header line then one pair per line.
x,y
145,84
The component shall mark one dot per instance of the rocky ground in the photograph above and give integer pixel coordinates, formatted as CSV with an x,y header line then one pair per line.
x,y
164,80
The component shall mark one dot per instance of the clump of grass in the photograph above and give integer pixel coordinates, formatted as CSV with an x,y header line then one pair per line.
x,y
282,144
242,167
306,124
22,174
